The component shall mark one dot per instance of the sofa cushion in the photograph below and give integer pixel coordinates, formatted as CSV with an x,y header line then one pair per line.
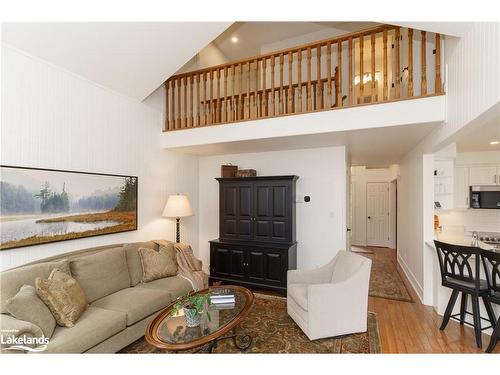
x,y
136,303
298,292
102,273
27,306
93,327
63,296
12,280
177,286
157,264
134,259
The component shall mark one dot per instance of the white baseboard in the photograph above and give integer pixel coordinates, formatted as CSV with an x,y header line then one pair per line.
x,y
411,278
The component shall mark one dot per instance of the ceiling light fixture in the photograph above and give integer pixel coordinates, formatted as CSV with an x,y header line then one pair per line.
x,y
234,39
493,143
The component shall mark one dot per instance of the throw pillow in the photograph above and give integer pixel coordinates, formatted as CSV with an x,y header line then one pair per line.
x,y
63,296
157,264
26,305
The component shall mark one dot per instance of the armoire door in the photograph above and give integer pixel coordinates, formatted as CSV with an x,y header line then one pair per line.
x,y
266,266
236,210
272,202
228,262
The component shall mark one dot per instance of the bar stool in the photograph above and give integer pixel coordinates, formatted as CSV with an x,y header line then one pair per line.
x,y
491,263
462,276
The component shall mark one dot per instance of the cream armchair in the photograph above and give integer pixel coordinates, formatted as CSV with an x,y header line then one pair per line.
x,y
331,300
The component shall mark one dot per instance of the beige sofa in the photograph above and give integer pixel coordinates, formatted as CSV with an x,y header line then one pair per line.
x,y
331,300
120,306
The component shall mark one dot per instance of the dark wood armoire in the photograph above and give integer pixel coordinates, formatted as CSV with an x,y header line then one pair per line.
x,y
256,245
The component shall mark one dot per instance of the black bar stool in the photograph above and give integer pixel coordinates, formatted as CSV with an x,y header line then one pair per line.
x,y
491,262
461,275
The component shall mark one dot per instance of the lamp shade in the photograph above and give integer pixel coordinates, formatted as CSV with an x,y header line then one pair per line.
x,y
178,206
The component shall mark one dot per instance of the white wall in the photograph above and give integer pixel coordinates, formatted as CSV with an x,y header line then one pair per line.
x,y
54,119
360,176
321,223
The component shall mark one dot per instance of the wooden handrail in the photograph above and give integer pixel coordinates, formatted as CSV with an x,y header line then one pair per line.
x,y
358,68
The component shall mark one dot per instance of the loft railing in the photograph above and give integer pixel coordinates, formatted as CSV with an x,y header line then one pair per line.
x,y
376,65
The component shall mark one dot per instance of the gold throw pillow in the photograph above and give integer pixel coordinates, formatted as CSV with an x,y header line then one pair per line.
x,y
64,297
158,264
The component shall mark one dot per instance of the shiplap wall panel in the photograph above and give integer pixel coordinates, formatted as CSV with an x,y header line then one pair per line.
x,y
54,119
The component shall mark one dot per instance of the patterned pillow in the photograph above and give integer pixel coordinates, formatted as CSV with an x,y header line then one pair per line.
x,y
64,297
158,264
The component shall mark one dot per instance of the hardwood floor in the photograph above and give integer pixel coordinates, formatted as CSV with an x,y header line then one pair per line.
x,y
414,328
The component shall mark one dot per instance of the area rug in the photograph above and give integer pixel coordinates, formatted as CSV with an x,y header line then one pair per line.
x,y
362,250
273,331
386,282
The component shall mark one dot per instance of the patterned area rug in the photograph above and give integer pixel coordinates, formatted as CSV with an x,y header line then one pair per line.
x,y
385,281
273,331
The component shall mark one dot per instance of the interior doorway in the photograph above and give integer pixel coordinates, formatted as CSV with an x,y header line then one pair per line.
x,y
377,214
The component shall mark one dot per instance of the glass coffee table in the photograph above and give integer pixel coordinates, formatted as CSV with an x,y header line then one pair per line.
x,y
172,334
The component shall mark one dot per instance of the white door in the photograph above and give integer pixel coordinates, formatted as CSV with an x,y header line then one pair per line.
x,y
461,189
377,211
483,175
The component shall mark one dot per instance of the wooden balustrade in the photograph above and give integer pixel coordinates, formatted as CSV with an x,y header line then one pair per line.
x,y
354,69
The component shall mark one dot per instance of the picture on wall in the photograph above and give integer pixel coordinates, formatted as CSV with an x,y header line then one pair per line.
x,y
45,205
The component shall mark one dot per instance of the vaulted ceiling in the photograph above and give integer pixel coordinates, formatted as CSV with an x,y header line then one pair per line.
x,y
130,58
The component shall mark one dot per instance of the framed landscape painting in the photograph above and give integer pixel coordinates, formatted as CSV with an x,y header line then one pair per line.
x,y
47,205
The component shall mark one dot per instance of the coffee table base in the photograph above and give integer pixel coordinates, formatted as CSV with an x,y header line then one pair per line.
x,y
242,342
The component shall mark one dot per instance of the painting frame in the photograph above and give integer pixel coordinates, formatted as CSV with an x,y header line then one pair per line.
x,y
136,198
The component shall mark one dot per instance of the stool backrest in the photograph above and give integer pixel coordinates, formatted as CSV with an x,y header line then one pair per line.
x,y
491,263
456,261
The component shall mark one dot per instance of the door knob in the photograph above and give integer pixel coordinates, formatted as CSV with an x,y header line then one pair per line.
x,y
369,217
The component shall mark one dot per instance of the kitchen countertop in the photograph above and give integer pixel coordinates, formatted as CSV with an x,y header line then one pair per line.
x,y
458,239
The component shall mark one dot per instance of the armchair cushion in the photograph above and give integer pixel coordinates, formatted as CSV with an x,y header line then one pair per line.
x,y
298,292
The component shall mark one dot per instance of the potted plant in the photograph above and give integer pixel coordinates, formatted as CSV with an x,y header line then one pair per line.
x,y
193,307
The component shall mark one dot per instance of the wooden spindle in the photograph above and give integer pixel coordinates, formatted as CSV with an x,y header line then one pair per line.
x,y
351,73
255,88
224,95
198,101
438,83
373,87
398,67
211,109
280,94
263,111
231,103
385,90
273,94
179,100
329,101
336,82
205,104
239,113
172,104
290,82
217,103
167,113
361,69
185,107
191,105
423,56
309,88
299,80
247,101
319,84
410,63
338,74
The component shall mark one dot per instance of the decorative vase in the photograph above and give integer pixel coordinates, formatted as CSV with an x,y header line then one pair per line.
x,y
193,318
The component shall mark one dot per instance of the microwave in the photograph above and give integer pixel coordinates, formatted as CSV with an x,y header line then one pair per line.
x,y
485,197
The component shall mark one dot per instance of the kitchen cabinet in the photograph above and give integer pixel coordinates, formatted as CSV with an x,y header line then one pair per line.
x,y
461,188
484,175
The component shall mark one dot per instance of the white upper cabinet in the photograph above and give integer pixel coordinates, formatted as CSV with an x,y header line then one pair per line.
x,y
485,175
461,188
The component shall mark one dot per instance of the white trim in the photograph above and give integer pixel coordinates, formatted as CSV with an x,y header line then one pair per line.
x,y
411,278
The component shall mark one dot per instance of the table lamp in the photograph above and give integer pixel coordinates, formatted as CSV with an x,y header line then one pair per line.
x,y
177,206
